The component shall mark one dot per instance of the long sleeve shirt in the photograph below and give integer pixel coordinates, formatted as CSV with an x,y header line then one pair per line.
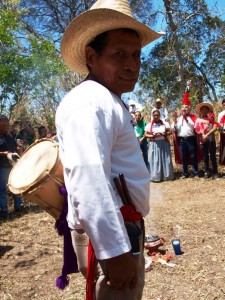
x,y
97,142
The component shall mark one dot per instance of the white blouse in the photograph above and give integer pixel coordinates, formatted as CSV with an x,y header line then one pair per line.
x,y
156,128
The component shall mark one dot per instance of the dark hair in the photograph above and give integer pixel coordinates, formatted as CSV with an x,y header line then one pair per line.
x,y
156,110
99,42
40,128
223,101
4,117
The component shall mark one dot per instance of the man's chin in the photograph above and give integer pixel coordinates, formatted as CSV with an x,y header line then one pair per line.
x,y
128,87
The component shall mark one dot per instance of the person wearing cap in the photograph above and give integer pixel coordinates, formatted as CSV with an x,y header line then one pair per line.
x,y
221,121
185,144
205,127
105,43
164,116
7,149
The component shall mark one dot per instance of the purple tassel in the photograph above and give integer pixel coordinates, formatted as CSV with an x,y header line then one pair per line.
x,y
62,282
61,222
69,256
63,191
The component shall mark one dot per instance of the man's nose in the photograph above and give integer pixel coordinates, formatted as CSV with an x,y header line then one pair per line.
x,y
132,64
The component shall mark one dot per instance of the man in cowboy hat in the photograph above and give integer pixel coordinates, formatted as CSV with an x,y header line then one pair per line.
x,y
205,127
162,109
104,42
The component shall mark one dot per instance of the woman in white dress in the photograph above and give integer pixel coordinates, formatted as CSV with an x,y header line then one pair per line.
x,y
159,153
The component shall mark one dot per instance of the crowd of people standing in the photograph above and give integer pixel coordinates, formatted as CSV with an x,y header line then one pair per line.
x,y
14,140
193,136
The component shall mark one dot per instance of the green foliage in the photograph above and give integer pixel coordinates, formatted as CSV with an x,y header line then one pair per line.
x,y
30,66
200,36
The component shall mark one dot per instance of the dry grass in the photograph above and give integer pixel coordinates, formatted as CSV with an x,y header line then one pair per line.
x,y
191,209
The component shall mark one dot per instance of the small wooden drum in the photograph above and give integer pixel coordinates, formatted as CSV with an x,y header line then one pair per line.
x,y
37,176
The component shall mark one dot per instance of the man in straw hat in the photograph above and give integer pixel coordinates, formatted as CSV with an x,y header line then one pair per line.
x,y
205,127
164,116
104,42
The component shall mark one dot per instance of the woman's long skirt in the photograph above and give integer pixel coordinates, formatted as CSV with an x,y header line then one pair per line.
x,y
160,161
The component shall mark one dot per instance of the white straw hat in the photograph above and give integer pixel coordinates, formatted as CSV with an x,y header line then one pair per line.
x,y
103,16
200,105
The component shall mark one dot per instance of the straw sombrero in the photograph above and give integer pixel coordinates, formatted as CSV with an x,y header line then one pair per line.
x,y
103,16
200,105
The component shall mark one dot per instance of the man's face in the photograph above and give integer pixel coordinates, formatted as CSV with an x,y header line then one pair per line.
x,y
158,105
118,65
4,126
185,110
204,110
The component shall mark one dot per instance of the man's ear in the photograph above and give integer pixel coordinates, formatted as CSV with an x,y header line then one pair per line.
x,y
90,56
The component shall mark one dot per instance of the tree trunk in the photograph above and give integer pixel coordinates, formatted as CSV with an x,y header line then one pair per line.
x,y
173,28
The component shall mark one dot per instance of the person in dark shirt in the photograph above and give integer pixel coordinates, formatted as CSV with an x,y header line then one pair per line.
x,y
7,151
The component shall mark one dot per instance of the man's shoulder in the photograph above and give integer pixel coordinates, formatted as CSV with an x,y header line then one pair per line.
x,y
193,117
86,91
90,86
87,96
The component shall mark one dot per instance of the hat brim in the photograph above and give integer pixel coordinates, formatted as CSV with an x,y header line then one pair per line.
x,y
91,23
200,105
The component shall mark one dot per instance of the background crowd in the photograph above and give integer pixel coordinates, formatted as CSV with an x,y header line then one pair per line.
x,y
194,136
14,140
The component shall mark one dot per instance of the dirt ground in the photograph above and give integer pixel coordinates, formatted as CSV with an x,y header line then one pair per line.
x,y
191,209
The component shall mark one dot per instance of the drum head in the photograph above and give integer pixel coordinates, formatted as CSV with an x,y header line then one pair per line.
x,y
33,166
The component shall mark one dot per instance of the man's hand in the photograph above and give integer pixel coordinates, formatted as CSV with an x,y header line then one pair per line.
x,y
122,271
205,137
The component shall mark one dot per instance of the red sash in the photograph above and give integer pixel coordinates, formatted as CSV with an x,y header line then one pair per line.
x,y
129,213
